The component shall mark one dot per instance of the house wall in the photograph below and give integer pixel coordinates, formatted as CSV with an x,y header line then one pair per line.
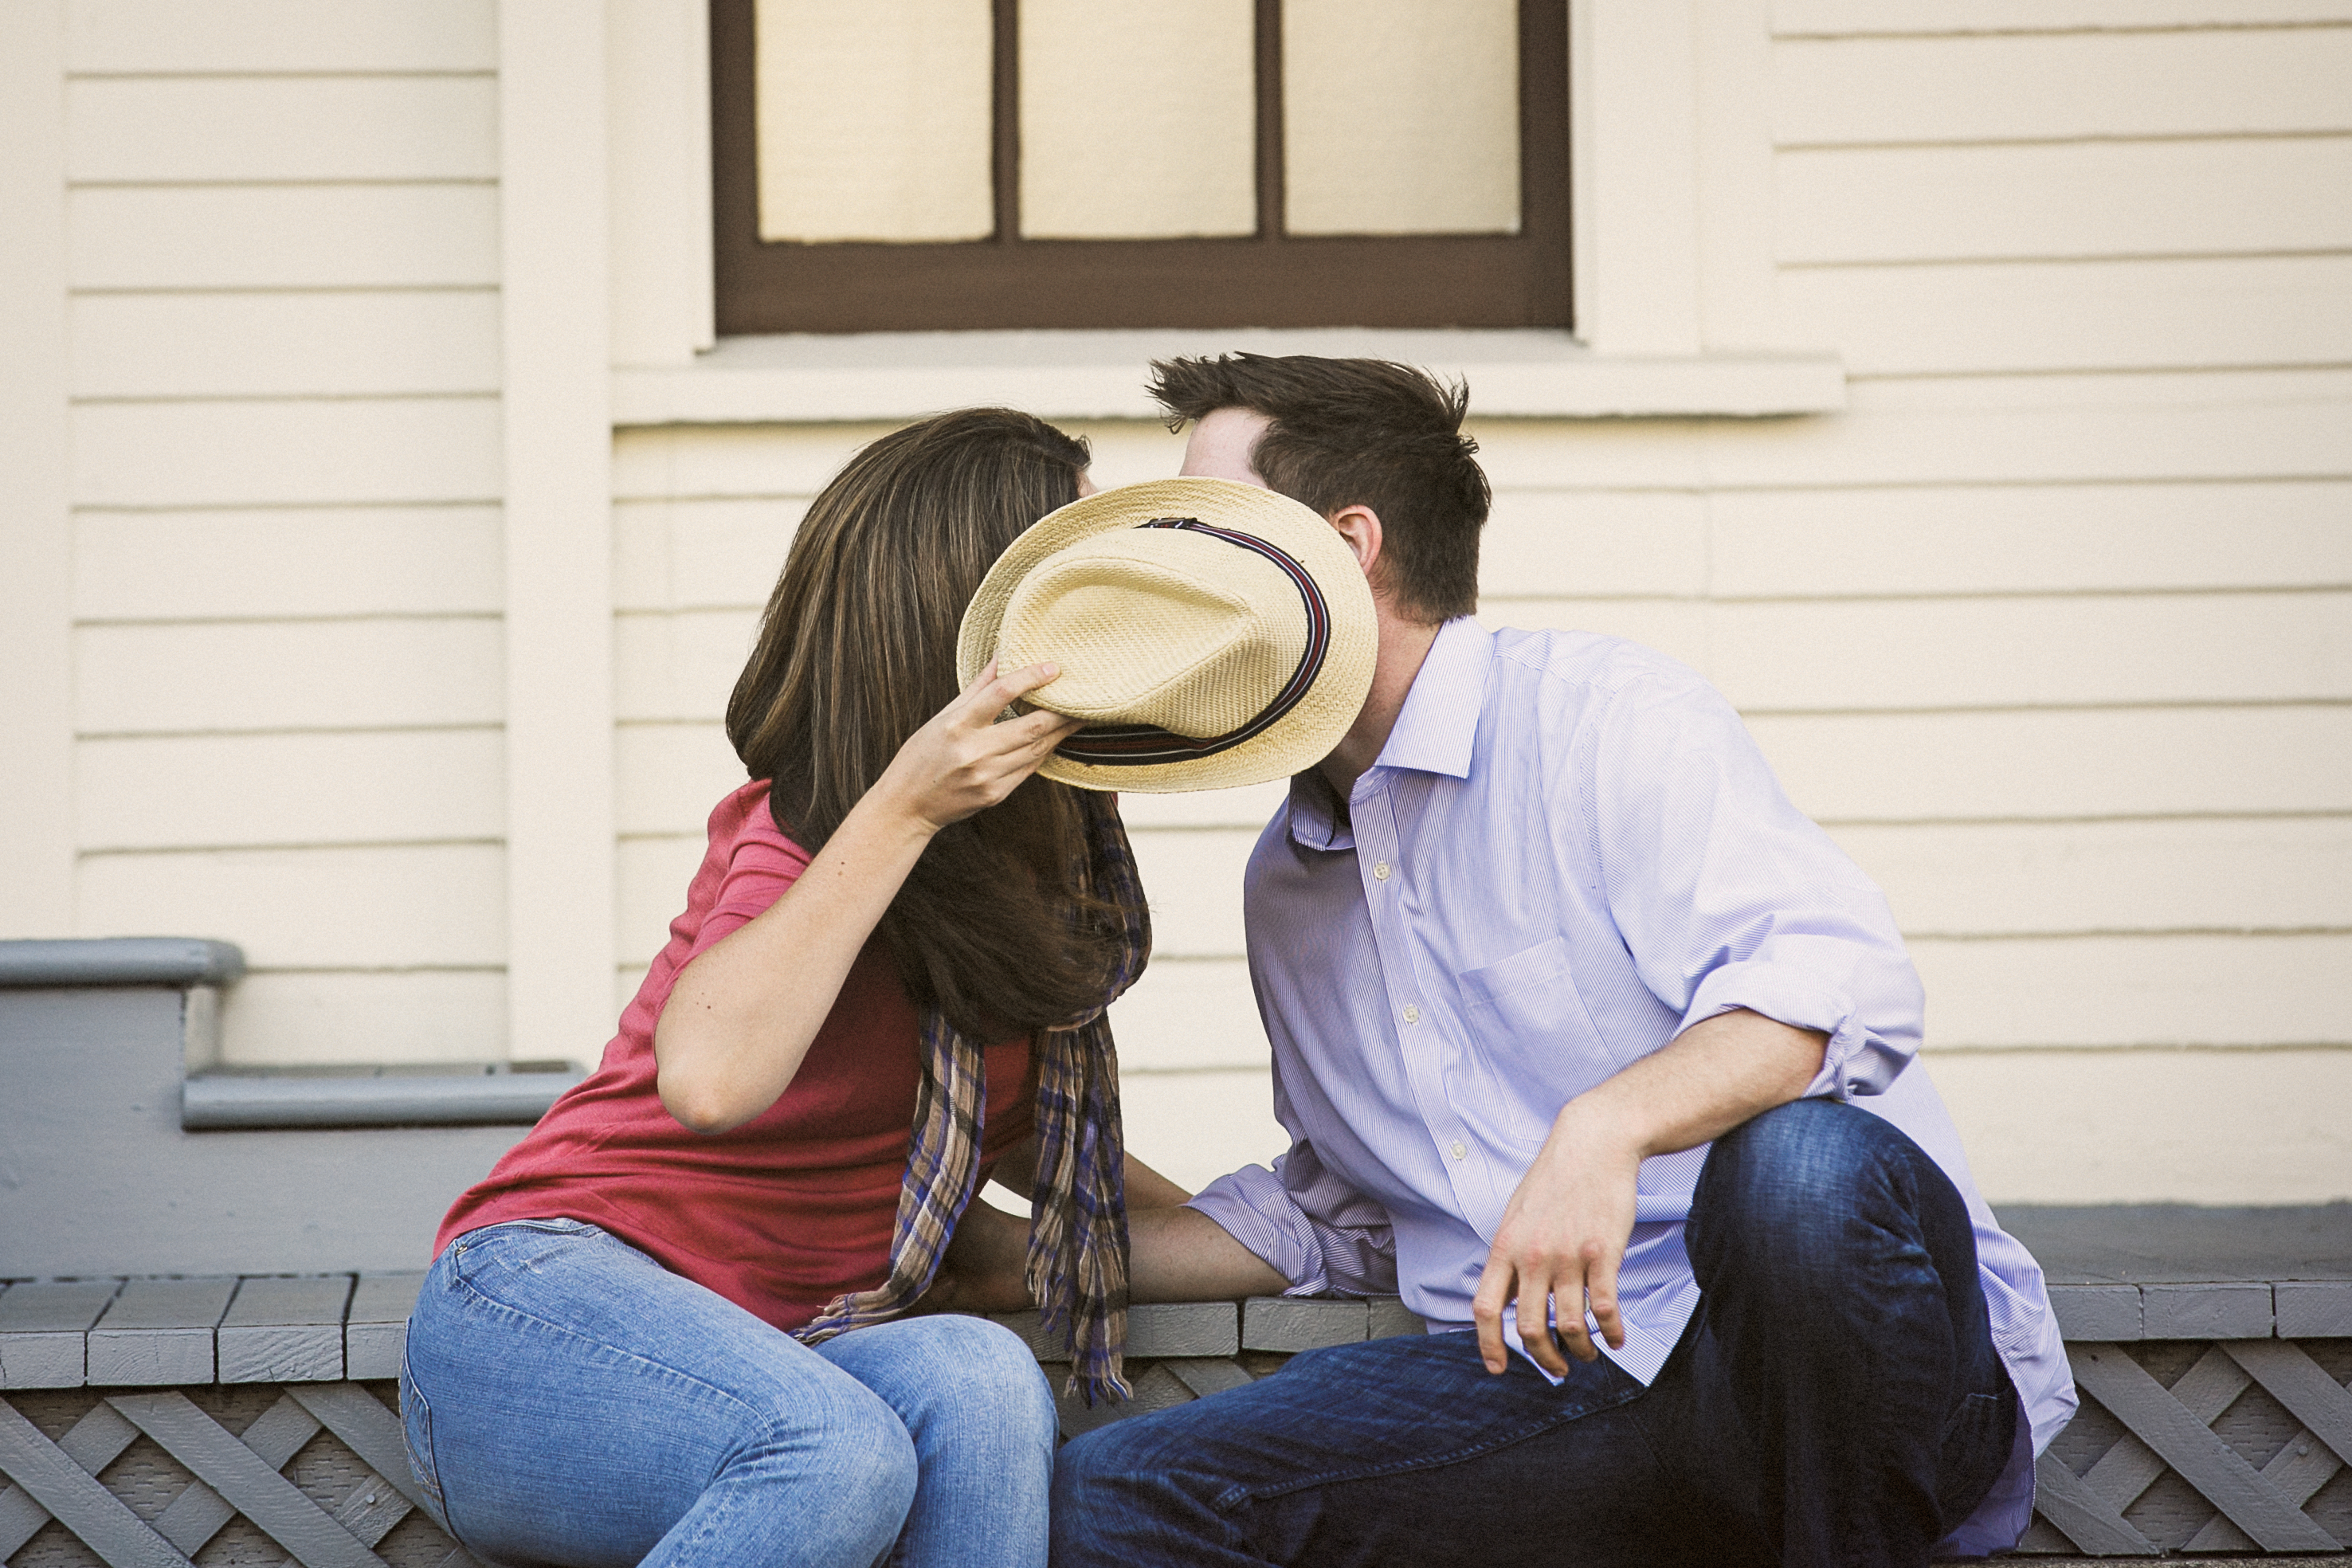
x,y
2049,626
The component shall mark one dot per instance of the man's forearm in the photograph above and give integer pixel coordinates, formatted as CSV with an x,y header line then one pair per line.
x,y
1183,1255
1709,1080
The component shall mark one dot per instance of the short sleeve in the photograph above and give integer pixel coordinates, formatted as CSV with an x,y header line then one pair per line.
x,y
761,865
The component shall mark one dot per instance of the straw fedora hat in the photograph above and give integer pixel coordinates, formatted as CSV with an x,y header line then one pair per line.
x,y
1211,634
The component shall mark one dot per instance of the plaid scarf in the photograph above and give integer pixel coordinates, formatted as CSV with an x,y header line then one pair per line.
x,y
1077,1269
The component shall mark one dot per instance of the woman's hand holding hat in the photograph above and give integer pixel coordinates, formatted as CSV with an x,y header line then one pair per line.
x,y
967,759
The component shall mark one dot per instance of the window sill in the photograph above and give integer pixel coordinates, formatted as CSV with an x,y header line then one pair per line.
x,y
1526,375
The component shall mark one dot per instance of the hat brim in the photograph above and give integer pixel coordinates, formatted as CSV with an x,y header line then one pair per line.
x,y
1303,736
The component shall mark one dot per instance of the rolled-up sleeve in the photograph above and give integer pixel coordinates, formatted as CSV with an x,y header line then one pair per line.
x,y
1313,1229
1727,896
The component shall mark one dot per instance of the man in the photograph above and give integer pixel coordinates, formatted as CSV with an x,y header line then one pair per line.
x,y
1592,1044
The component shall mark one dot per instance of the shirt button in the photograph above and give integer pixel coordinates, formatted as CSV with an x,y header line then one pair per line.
x,y
1460,1150
1379,871
1411,1013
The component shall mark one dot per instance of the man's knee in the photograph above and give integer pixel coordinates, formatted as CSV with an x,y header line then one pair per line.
x,y
1796,1188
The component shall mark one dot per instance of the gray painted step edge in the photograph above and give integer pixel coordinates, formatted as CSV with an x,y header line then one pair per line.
x,y
217,1102
176,961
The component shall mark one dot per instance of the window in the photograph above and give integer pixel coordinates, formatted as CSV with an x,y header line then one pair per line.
x,y
921,164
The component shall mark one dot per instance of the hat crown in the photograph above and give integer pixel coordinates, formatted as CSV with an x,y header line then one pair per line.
x,y
1165,627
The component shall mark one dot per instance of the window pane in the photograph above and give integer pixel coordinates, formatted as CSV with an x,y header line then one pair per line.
x,y
874,119
1137,118
1400,117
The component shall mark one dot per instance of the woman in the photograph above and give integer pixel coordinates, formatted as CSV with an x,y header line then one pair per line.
x,y
672,1324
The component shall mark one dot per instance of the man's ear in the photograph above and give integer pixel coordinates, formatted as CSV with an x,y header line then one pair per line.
x,y
1361,527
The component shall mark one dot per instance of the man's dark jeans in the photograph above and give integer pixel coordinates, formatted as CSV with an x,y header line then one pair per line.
x,y
1836,1399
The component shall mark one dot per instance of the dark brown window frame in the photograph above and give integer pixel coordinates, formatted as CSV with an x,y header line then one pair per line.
x,y
1267,279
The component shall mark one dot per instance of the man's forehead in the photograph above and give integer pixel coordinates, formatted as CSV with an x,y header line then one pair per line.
x,y
1221,446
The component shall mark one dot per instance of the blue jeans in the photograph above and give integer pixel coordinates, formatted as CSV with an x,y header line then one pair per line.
x,y
570,1400
1837,1398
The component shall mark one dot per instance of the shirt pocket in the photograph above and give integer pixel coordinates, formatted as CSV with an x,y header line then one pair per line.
x,y
1531,1036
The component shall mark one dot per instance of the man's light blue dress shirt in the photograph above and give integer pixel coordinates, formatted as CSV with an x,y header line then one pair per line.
x,y
1569,851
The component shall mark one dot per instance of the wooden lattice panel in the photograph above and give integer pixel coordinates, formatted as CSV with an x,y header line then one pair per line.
x,y
221,1477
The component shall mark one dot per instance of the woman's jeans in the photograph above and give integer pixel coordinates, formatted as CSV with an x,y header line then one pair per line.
x,y
1835,1399
570,1400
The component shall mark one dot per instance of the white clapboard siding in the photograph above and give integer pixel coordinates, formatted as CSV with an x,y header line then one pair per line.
x,y
1999,430
295,675
1194,1127
1248,808
276,1018
2062,764
390,907
2201,1127
2183,197
1987,652
230,791
2018,879
1193,881
1189,1016
2025,538
152,129
700,554
671,463
667,777
1595,544
2087,315
2211,83
338,344
2094,991
286,561
241,36
650,876
1128,452
1836,19
289,452
293,237
680,666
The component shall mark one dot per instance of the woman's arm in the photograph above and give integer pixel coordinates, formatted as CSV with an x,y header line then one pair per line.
x,y
742,1016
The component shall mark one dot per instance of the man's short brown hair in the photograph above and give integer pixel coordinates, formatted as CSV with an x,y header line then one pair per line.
x,y
1359,432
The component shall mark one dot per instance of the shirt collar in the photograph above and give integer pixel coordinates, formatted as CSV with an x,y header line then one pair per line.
x,y
1438,726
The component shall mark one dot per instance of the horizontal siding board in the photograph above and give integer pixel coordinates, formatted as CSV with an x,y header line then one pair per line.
x,y
283,237
254,36
650,877
1594,543
2082,199
1193,883
2107,991
2154,762
2006,316
697,462
1194,1127
1989,652
2124,1127
1248,808
1190,1016
390,907
290,453
325,675
342,345
2008,879
291,1018
2186,82
667,777
406,785
156,130
2029,539
259,564
1799,18
1979,430
680,666
699,554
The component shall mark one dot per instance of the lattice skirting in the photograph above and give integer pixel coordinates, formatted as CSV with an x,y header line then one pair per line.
x,y
222,1476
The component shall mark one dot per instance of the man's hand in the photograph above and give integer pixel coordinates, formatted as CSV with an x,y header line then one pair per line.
x,y
1562,1238
1564,1231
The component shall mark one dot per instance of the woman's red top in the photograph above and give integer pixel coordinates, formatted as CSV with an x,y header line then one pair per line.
x,y
791,1210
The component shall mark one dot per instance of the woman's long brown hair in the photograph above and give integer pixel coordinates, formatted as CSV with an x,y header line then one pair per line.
x,y
856,652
